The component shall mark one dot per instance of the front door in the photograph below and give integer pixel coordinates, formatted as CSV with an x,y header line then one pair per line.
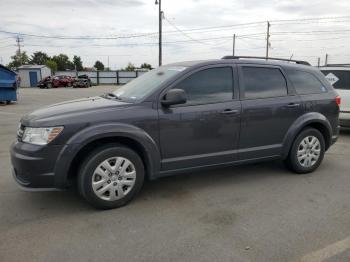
x,y
269,108
205,130
33,77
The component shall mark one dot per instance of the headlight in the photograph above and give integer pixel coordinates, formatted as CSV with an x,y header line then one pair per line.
x,y
40,136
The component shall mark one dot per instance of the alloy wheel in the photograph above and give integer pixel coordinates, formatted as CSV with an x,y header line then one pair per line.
x,y
114,178
309,151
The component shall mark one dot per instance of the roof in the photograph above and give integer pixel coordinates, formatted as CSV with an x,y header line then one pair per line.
x,y
31,66
334,68
7,69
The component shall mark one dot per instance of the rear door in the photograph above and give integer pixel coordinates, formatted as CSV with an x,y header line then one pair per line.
x,y
269,107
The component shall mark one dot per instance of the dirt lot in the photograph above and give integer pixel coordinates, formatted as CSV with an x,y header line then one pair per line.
x,y
249,213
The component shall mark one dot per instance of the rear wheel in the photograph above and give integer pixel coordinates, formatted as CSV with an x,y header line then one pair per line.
x,y
307,151
111,176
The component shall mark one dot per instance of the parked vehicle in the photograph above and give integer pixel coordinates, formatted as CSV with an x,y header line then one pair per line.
x,y
178,117
82,81
56,81
339,77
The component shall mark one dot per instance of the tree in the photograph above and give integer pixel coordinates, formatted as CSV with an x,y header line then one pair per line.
x,y
146,66
63,62
99,65
18,59
130,67
78,63
39,58
52,65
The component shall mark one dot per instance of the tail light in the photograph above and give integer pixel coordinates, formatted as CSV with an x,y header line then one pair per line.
x,y
338,100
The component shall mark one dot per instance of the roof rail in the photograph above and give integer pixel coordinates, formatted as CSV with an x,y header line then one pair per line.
x,y
269,58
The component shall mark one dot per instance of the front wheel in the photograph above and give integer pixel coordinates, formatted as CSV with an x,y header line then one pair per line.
x,y
111,176
307,151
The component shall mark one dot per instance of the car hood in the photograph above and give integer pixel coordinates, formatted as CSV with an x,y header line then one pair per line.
x,y
77,108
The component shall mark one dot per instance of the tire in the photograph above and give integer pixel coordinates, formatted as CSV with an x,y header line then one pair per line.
x,y
69,84
307,151
109,188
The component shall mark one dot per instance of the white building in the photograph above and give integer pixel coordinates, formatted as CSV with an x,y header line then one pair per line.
x,y
31,74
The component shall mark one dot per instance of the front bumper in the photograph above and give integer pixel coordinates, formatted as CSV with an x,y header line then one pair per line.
x,y
33,165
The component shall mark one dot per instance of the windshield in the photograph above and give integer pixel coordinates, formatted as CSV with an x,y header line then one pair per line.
x,y
145,84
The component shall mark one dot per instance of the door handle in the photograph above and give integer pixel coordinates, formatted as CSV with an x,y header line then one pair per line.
x,y
293,105
230,111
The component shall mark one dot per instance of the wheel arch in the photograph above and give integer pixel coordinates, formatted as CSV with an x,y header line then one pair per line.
x,y
312,120
86,140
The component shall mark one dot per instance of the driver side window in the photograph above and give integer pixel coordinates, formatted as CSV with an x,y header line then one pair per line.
x,y
211,85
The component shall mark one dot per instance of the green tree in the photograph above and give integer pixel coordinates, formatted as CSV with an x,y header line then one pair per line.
x,y
146,66
130,67
52,65
78,63
39,58
63,62
99,65
18,59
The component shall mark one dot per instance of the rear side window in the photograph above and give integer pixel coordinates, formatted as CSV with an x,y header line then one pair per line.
x,y
340,79
305,83
208,86
262,82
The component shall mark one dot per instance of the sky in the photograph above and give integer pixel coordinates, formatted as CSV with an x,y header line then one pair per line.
x,y
193,29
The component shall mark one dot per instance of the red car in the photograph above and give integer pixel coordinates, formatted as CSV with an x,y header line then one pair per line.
x,y
56,81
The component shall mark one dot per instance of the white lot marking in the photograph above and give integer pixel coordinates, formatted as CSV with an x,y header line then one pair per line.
x,y
328,251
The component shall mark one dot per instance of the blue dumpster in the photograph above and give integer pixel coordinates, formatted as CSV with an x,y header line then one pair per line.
x,y
8,85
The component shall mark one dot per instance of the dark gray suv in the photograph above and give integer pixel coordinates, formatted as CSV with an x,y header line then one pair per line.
x,y
178,117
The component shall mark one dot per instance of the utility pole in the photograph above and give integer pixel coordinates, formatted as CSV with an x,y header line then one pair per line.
x,y
326,60
160,13
108,62
234,44
19,40
318,61
267,39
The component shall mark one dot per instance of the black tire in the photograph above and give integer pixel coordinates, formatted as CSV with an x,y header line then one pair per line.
x,y
292,161
95,158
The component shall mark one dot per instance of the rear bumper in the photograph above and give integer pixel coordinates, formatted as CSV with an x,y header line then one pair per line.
x,y
344,119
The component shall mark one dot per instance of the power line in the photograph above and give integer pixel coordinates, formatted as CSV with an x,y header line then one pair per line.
x,y
177,30
182,32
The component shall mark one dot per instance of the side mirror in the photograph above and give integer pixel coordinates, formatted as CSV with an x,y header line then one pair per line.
x,y
174,97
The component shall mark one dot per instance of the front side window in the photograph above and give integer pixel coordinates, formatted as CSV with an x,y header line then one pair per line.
x,y
263,82
208,86
305,83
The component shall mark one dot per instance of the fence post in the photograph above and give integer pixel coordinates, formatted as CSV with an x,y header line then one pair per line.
x,y
98,77
117,77
137,73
